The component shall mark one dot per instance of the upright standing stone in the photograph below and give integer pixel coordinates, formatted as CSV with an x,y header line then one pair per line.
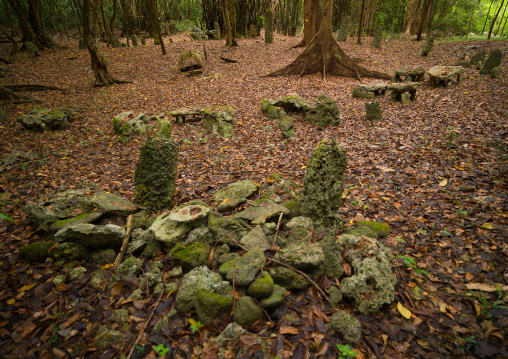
x,y
494,60
378,36
341,34
323,183
143,41
373,111
135,41
253,31
478,58
269,26
82,44
32,49
216,30
115,43
429,44
155,175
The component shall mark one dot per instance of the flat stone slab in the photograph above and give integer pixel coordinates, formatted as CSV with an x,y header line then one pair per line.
x,y
409,74
378,87
444,75
403,91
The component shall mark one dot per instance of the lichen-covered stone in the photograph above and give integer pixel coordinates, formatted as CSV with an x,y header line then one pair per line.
x,y
210,305
301,255
269,26
192,282
220,122
82,218
258,212
234,194
381,229
105,336
98,279
216,30
275,299
41,119
130,266
373,110
262,287
286,125
69,251
32,49
108,236
36,252
325,112
429,44
373,283
335,295
332,263
495,73
478,57
342,32
324,182
288,278
138,294
243,270
231,332
77,273
255,239
172,228
227,230
164,130
295,208
201,234
223,258
361,231
104,256
359,92
155,174
291,103
247,312
59,279
272,112
378,36
299,222
345,324
494,60
191,256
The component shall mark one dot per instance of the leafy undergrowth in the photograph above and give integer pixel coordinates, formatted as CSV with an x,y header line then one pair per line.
x,y
434,170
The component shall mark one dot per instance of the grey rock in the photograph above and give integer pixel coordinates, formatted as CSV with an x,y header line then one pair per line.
x,y
192,282
138,294
69,251
494,60
176,272
244,269
258,212
80,219
108,236
255,239
130,266
301,255
220,122
77,273
41,119
231,332
286,125
223,258
59,279
289,278
344,323
247,312
299,222
98,279
234,194
275,299
104,256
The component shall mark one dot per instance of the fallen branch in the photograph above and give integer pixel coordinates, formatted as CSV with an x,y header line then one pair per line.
x,y
190,67
125,243
8,95
31,87
229,60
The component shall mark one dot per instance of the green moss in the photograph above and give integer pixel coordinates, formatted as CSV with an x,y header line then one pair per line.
x,y
295,208
191,256
261,287
210,305
164,130
36,252
381,229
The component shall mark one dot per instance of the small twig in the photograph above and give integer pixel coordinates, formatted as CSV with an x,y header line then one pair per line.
x,y
234,297
277,229
146,325
125,243
306,276
264,310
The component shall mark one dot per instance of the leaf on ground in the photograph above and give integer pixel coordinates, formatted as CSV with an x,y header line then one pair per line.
x,y
27,287
406,313
443,182
486,287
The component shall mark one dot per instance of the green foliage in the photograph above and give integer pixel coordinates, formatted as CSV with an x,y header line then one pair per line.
x,y
486,307
190,56
346,351
4,217
195,327
411,263
160,349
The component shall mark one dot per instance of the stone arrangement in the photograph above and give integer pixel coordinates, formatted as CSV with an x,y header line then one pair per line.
x,y
494,60
219,121
444,76
373,110
126,124
45,119
370,90
409,74
404,92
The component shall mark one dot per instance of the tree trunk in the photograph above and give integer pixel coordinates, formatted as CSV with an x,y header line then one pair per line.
x,y
471,20
411,15
324,55
487,17
229,14
155,20
311,22
99,66
424,19
494,20
501,21
125,20
360,21
8,14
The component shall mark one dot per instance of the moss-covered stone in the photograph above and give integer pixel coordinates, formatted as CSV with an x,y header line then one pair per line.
x,y
495,73
82,218
381,229
234,194
220,122
155,174
191,256
295,208
223,258
69,251
216,31
343,31
373,110
32,49
104,256
378,36
210,305
361,231
244,269
262,287
192,282
344,323
324,182
115,43
107,236
286,125
247,312
325,112
275,299
269,26
130,266
59,279
36,252
106,337
301,255
272,112
494,60
288,278
98,279
429,44
117,126
227,230
335,295
135,41
164,130
255,239
77,273
478,57
332,263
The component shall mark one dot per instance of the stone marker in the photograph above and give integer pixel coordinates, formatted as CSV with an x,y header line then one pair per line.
x,y
32,49
373,111
443,76
269,26
494,60
398,89
324,183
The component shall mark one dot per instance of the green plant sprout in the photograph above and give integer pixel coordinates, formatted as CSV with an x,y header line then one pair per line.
x,y
346,351
195,327
411,263
4,217
484,303
160,349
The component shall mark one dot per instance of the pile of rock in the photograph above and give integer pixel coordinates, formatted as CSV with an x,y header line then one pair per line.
x,y
126,124
44,119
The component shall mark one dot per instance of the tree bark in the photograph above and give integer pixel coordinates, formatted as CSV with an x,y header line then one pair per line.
x,y
494,20
411,15
229,14
501,21
155,20
471,20
311,22
324,55
360,21
424,19
487,17
99,66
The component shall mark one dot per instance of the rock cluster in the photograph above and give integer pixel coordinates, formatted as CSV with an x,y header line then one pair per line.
x,y
44,119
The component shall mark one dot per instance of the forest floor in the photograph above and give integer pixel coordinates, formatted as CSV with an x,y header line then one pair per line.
x,y
435,170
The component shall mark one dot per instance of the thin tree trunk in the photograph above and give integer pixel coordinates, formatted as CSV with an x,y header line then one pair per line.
x,y
471,20
311,23
155,20
424,19
59,17
501,21
11,23
487,17
502,30
494,20
50,16
126,24
360,20
77,18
